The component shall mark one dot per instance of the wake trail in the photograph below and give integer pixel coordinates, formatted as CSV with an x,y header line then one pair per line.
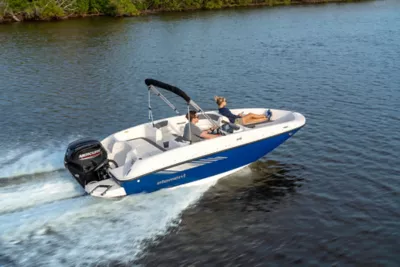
x,y
26,195
32,162
45,214
28,159
32,176
108,231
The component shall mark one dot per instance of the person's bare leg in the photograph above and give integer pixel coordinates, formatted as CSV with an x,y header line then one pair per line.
x,y
257,116
251,121
258,120
252,116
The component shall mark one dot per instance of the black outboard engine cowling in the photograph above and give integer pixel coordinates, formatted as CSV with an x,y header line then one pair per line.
x,y
86,160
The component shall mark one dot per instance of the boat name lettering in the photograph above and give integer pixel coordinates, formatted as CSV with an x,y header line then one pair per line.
x,y
89,155
171,179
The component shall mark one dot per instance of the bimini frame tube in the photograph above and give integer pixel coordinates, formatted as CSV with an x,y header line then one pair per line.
x,y
157,93
154,83
168,87
199,109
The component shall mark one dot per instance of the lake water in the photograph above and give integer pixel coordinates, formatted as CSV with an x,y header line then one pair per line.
x,y
328,196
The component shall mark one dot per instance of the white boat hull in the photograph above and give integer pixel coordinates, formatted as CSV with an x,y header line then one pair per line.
x,y
184,165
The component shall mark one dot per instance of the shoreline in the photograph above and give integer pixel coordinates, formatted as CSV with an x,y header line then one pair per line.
x,y
11,17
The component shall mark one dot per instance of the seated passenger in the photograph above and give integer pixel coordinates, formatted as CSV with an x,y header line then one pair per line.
x,y
194,133
241,118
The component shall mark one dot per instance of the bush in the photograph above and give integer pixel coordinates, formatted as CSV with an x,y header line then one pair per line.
x,y
210,4
2,10
142,4
18,5
173,5
82,6
99,6
122,8
244,2
48,9
192,4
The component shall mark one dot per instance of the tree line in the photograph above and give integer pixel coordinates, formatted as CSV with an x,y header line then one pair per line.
x,y
18,10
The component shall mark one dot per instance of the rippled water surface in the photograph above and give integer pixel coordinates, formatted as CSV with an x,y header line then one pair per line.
x,y
328,196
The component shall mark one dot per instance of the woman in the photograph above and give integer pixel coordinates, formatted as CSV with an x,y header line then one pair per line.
x,y
241,118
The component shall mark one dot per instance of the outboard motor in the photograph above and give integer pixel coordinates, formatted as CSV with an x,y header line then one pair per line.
x,y
86,160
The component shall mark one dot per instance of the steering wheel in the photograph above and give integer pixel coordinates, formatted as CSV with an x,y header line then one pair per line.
x,y
219,130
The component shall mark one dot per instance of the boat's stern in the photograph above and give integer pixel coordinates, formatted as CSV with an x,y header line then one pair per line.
x,y
108,188
87,161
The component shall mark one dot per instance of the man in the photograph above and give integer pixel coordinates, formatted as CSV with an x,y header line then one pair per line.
x,y
194,133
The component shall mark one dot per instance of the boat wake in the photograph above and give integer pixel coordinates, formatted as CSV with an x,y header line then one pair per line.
x,y
91,231
30,177
45,221
24,161
22,196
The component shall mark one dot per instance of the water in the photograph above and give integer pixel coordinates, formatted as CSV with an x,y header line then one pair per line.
x,y
328,196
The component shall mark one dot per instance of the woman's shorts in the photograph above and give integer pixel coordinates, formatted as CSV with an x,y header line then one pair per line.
x,y
239,121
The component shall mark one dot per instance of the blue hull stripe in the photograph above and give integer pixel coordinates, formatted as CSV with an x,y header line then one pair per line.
x,y
232,159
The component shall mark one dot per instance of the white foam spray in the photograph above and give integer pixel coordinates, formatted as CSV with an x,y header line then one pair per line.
x,y
22,196
44,160
89,230
42,224
32,176
25,160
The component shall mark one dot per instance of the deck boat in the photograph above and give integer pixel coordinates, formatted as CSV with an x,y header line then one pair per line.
x,y
154,155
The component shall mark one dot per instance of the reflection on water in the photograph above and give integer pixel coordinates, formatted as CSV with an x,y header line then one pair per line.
x,y
236,205
257,187
271,181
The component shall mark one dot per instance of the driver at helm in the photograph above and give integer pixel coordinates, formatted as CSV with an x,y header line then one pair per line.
x,y
194,133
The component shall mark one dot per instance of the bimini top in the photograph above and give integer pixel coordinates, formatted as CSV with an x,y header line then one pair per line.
x,y
152,84
168,87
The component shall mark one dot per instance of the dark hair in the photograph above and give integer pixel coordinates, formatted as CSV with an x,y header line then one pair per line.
x,y
191,115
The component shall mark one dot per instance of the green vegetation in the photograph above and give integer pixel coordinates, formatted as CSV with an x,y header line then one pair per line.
x,y
17,10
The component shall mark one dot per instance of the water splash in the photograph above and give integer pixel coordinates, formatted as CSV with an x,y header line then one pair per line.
x,y
31,160
38,191
31,176
85,231
38,161
43,223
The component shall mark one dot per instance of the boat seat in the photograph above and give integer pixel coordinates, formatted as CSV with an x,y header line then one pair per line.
x,y
145,147
108,143
159,136
120,151
129,160
181,141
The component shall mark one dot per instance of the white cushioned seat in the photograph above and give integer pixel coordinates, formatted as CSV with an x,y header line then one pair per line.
x,y
120,151
159,136
174,144
108,143
129,160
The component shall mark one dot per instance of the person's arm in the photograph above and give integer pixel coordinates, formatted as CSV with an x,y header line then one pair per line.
x,y
202,134
206,135
228,111
213,128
